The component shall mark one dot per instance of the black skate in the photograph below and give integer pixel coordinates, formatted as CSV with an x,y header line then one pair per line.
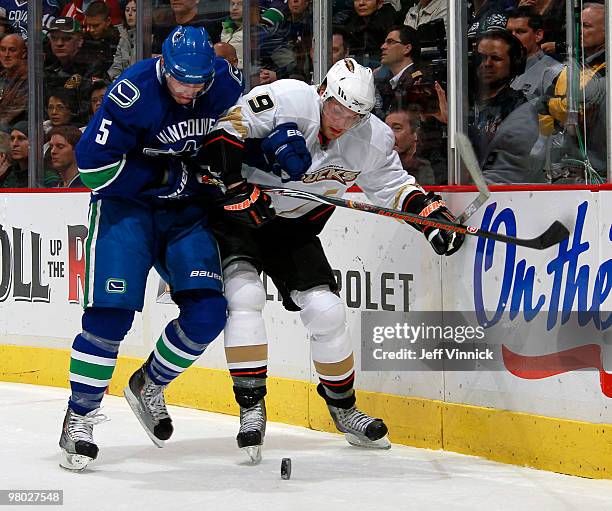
x,y
76,440
252,430
359,428
146,399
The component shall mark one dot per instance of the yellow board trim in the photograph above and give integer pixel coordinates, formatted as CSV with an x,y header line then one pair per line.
x,y
558,445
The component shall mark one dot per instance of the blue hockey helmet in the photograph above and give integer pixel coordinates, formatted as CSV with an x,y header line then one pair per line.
x,y
189,56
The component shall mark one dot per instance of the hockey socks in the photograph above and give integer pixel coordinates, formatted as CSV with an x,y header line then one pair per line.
x,y
249,391
202,318
94,355
337,381
174,353
338,388
92,362
248,367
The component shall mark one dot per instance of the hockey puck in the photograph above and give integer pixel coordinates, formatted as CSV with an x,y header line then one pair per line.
x,y
286,468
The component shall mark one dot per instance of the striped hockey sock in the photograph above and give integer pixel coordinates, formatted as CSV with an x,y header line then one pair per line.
x,y
338,387
92,362
338,390
248,372
173,354
248,366
249,382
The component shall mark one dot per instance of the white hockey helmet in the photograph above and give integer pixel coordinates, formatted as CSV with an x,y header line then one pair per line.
x,y
352,85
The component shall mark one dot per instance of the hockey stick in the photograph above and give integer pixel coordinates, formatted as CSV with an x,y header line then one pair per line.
x,y
466,153
556,233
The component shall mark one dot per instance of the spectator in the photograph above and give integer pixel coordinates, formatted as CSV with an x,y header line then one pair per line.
x,y
228,52
102,38
592,93
405,85
503,126
69,67
553,21
340,45
347,5
426,99
17,174
540,70
13,80
5,155
400,49
232,29
125,55
488,15
593,31
62,141
264,23
339,50
16,13
405,123
185,12
5,27
60,110
427,11
369,23
285,54
96,94
273,12
76,9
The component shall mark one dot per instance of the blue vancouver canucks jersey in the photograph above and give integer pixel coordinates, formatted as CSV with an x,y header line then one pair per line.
x,y
16,12
139,121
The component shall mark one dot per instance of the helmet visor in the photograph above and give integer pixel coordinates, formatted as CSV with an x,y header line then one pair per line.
x,y
187,91
340,116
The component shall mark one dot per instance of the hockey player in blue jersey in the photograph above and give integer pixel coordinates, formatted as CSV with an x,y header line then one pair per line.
x,y
149,208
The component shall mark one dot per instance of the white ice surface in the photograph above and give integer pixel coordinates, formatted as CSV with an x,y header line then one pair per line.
x,y
201,468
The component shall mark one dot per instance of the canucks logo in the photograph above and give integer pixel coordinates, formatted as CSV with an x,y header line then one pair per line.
x,y
124,93
116,286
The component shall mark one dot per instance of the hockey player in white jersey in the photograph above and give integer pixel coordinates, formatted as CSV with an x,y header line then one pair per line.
x,y
324,140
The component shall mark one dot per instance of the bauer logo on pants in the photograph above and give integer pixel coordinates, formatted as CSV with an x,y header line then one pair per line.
x,y
116,286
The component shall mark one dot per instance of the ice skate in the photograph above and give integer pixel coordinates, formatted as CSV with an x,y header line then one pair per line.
x,y
359,428
146,399
252,430
76,440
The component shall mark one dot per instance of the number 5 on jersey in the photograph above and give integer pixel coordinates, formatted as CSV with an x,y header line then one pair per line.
x,y
103,133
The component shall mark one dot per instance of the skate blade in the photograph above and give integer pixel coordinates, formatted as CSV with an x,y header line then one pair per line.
x,y
138,412
381,443
254,453
74,462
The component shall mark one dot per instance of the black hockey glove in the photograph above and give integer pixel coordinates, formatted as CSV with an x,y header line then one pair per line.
x,y
223,153
433,206
285,148
177,181
247,204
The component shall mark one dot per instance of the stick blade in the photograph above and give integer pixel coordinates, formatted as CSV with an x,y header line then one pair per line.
x,y
556,233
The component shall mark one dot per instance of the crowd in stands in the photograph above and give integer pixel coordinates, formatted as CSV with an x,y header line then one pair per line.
x,y
523,124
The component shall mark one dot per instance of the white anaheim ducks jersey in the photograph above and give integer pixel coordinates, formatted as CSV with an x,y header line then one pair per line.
x,y
363,155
